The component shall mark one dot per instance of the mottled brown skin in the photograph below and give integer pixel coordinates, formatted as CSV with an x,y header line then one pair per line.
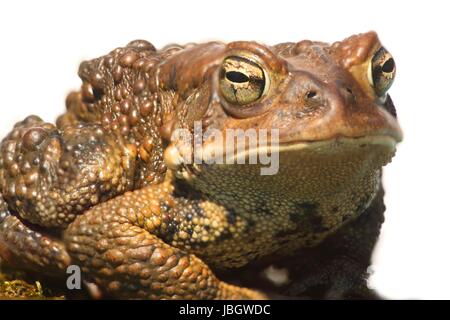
x,y
106,188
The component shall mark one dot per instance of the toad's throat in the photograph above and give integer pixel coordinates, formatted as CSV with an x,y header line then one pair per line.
x,y
307,170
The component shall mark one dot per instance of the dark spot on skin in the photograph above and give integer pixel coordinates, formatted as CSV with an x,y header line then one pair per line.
x,y
334,209
307,207
262,208
171,230
231,216
183,190
250,224
301,210
174,220
295,217
97,93
305,215
226,234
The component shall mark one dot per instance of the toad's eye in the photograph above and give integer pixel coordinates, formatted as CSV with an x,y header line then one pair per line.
x,y
382,71
242,81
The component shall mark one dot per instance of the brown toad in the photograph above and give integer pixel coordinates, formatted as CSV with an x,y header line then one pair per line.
x,y
114,189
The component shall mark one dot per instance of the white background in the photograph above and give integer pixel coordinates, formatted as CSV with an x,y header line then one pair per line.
x,y
42,43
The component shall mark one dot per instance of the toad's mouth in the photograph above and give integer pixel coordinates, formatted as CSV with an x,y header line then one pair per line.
x,y
259,152
335,145
302,168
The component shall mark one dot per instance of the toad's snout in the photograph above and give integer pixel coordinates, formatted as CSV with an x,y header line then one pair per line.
x,y
322,109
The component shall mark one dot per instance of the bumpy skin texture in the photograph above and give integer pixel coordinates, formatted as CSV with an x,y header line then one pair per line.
x,y
109,188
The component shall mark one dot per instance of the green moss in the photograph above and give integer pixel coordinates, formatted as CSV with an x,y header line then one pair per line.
x,y
19,285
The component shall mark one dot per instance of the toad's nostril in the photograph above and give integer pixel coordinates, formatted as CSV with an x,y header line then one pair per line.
x,y
310,94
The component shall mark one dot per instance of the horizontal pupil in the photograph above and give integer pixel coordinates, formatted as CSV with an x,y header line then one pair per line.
x,y
235,76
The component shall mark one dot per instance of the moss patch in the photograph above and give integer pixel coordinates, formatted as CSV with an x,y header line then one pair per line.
x,y
19,285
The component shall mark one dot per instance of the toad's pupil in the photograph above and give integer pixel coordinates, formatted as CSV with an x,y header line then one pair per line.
x,y
388,66
235,76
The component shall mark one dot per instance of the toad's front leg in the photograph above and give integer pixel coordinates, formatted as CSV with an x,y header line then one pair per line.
x,y
118,245
338,267
48,176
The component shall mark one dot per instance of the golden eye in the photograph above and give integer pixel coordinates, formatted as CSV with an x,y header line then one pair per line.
x,y
241,80
382,71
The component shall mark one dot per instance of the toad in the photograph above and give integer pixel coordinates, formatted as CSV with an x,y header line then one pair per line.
x,y
114,188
